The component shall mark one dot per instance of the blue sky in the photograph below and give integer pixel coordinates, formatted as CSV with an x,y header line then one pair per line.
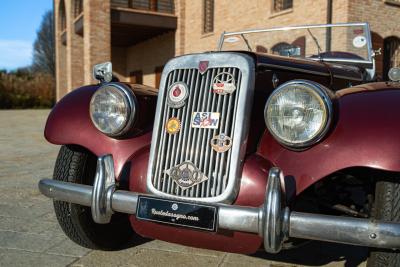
x,y
19,20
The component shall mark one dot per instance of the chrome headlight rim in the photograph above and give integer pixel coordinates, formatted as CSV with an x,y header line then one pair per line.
x,y
327,99
130,99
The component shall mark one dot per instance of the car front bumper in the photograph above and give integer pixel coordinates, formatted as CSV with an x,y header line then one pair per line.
x,y
273,220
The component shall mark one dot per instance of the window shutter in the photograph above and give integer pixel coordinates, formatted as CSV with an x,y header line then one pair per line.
x,y
208,16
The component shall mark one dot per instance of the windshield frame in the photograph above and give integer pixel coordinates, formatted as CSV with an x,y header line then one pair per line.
x,y
368,63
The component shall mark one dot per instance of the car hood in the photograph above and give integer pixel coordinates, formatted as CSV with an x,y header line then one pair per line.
x,y
352,73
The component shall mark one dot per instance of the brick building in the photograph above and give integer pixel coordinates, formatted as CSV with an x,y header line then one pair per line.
x,y
139,36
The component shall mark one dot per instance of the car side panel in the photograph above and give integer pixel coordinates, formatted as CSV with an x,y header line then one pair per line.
x,y
366,133
69,123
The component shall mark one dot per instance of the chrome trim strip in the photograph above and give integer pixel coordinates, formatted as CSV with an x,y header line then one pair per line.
x,y
273,220
345,230
297,28
222,60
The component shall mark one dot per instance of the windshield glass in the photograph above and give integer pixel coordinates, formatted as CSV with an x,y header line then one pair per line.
x,y
338,42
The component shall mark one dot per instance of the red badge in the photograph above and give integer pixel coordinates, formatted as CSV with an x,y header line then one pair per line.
x,y
203,66
177,91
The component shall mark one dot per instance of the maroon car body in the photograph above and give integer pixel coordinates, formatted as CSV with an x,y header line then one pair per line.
x,y
365,110
363,137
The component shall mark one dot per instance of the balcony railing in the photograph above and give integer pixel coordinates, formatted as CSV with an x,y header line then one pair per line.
x,y
162,6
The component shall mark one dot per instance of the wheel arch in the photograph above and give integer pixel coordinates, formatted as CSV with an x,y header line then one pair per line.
x,y
365,134
69,123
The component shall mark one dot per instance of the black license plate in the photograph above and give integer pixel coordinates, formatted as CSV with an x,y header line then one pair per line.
x,y
186,214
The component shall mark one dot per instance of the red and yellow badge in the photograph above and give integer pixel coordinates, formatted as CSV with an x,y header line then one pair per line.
x,y
173,125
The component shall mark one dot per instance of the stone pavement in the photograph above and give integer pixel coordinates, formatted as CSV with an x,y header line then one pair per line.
x,y
30,235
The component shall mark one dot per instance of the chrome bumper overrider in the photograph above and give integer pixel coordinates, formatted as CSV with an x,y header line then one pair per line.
x,y
273,221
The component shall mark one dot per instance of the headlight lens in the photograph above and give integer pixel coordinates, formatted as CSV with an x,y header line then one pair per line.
x,y
112,109
298,113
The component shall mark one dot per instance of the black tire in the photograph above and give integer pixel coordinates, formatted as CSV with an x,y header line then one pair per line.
x,y
75,164
387,208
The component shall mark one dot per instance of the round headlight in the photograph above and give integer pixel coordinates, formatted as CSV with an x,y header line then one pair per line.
x,y
394,74
112,109
298,113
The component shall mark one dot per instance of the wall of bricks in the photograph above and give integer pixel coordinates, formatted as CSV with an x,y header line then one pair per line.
x,y
61,52
75,52
97,35
384,24
150,54
243,14
76,59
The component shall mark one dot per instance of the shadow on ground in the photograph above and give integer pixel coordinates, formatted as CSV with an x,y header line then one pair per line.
x,y
319,253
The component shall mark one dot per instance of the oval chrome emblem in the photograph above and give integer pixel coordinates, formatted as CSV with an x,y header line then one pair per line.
x,y
177,94
221,143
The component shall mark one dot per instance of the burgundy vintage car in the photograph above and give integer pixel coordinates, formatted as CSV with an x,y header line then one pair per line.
x,y
280,136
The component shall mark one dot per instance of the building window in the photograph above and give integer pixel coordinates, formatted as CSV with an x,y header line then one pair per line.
x,y
78,8
164,6
63,19
281,5
208,16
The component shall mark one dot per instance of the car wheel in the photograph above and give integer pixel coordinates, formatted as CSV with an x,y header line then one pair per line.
x,y
386,207
76,165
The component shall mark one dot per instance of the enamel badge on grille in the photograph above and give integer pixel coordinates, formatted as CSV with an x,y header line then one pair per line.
x,y
186,175
224,83
173,125
206,120
221,143
203,66
177,94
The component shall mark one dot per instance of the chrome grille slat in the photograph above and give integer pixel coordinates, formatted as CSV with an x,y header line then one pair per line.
x,y
177,113
232,130
168,137
199,140
184,115
220,162
205,139
157,176
197,132
193,131
193,144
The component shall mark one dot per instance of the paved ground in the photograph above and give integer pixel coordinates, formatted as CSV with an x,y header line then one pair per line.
x,y
30,235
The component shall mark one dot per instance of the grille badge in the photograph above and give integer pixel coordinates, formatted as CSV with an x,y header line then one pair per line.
x,y
173,125
203,66
224,83
177,94
221,143
186,175
205,120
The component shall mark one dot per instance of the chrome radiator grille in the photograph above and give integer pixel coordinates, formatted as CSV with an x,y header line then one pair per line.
x,y
193,144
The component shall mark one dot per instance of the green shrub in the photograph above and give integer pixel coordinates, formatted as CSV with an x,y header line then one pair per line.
x,y
24,89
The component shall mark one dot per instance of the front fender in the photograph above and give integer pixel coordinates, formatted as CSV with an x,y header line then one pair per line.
x,y
69,123
366,134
